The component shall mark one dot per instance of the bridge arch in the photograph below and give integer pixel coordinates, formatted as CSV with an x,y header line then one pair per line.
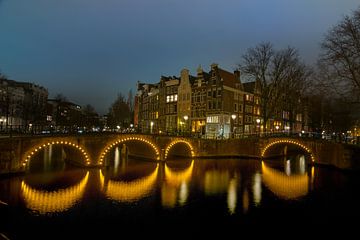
x,y
30,153
122,140
287,141
177,141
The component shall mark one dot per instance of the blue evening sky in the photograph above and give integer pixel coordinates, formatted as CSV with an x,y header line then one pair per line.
x,y
90,50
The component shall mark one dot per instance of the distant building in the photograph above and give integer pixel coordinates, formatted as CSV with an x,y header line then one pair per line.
x,y
64,115
214,104
22,104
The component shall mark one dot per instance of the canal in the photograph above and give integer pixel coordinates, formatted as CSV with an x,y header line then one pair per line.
x,y
54,199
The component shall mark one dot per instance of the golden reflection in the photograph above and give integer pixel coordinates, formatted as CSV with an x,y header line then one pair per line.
x,y
216,182
286,187
245,201
130,191
175,188
232,196
257,188
175,178
53,201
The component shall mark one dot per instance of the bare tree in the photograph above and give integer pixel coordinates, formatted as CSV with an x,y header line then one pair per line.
x,y
119,112
60,97
280,77
340,59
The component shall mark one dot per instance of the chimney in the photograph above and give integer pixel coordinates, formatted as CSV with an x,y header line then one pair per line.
x,y
237,74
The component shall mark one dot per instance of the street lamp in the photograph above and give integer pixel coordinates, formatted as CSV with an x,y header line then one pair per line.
x,y
151,126
186,117
258,125
233,116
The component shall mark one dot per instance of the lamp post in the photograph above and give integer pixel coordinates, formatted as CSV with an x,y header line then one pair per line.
x,y
258,125
233,116
186,117
151,127
277,128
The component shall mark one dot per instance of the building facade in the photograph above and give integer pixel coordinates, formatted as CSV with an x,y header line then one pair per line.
x,y
22,105
214,104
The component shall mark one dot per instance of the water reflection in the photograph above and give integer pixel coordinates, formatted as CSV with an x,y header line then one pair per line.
x,y
216,182
175,188
129,191
225,187
60,200
232,195
257,190
284,185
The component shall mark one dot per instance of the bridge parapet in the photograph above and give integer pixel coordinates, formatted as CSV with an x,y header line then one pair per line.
x,y
17,151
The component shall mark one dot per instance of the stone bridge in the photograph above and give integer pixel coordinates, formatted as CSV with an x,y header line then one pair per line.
x,y
91,150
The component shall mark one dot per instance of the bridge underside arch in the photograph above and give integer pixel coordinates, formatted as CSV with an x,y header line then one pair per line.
x,y
75,153
179,148
284,147
132,146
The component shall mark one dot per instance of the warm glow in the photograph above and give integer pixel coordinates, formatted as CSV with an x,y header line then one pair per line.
x,y
284,186
175,178
167,150
289,141
232,196
32,151
130,191
53,201
117,142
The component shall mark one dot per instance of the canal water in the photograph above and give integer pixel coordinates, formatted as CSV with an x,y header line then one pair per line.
x,y
56,200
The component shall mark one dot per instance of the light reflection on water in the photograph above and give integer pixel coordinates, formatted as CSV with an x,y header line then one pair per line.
x,y
176,182
225,187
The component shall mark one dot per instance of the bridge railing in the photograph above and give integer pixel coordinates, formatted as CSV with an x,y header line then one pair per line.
x,y
45,130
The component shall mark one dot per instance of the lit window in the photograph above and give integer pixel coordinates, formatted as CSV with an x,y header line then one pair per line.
x,y
167,98
175,97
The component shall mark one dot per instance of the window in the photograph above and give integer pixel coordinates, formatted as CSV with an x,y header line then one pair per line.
x,y
167,98
299,117
286,115
248,109
212,119
235,107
